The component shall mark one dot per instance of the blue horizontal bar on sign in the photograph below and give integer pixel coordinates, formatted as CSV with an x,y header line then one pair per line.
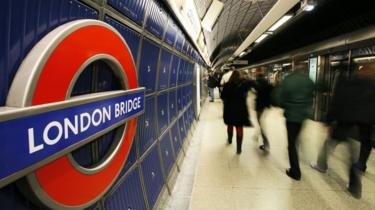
x,y
42,133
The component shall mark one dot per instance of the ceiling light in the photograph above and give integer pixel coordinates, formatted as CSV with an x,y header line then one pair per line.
x,y
212,14
364,59
308,8
280,22
261,38
242,54
287,64
308,5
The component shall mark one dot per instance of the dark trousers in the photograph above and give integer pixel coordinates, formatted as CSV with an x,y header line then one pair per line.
x,y
265,140
293,130
340,134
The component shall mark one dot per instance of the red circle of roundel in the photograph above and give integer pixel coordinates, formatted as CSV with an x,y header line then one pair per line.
x,y
59,179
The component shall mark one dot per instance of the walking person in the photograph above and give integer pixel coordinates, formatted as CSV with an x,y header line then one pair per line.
x,y
236,113
211,83
352,106
295,95
262,102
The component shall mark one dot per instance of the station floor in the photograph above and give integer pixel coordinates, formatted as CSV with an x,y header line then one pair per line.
x,y
214,177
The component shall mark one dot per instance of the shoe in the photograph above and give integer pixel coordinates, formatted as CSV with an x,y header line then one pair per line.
x,y
291,175
355,185
316,167
229,140
355,191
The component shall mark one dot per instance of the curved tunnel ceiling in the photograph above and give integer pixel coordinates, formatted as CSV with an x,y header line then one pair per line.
x,y
237,20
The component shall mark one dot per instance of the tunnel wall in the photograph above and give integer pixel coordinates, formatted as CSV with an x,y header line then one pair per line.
x,y
165,61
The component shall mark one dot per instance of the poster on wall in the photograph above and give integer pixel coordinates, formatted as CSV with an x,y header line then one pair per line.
x,y
313,66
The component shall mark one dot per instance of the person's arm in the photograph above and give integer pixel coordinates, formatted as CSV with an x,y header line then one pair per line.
x,y
250,84
278,94
222,81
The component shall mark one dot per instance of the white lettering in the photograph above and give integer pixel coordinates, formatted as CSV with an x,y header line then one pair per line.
x,y
117,110
96,112
107,114
122,104
139,103
32,147
69,125
88,118
46,138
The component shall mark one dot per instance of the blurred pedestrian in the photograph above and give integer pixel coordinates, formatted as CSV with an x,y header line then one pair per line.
x,y
212,83
295,95
352,106
218,75
262,102
236,113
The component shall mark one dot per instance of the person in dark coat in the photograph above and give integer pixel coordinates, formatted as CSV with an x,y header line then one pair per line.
x,y
236,113
295,95
262,101
212,83
352,106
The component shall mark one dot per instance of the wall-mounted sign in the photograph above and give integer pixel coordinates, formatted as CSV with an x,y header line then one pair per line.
x,y
41,124
52,129
313,66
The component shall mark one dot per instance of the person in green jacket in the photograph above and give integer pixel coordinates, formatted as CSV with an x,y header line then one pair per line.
x,y
295,95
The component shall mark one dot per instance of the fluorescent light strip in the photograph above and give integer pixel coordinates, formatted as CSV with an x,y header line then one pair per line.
x,y
261,38
364,58
280,22
308,8
242,54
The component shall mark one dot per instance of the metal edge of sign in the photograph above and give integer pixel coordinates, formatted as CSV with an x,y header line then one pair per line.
x,y
118,71
108,59
24,83
110,154
63,152
117,141
73,102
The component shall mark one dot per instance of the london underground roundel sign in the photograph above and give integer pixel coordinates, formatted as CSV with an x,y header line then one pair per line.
x,y
41,124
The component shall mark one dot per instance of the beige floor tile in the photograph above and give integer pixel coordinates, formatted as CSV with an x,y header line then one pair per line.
x,y
208,198
213,177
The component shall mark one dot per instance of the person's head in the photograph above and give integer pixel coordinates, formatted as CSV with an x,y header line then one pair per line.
x,y
258,72
300,64
235,77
